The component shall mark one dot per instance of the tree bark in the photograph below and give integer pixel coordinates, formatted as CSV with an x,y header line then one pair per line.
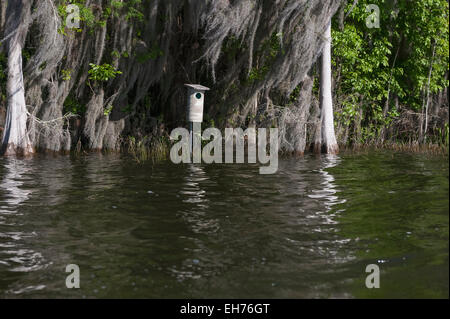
x,y
329,143
15,139
2,15
428,93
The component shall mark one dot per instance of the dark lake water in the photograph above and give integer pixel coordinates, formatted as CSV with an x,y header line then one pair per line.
x,y
182,231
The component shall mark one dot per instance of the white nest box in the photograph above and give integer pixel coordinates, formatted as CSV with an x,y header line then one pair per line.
x,y
195,101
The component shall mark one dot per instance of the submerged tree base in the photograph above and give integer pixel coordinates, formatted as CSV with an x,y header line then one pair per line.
x,y
12,150
332,149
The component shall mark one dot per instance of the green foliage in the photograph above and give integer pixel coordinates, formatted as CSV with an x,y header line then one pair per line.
x,y
348,112
148,148
268,53
209,122
446,135
126,109
87,17
129,9
153,53
441,136
26,55
232,48
72,105
430,33
133,13
66,75
108,110
102,73
374,64
115,54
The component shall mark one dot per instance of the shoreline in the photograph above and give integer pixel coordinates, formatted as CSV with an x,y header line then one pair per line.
x,y
161,152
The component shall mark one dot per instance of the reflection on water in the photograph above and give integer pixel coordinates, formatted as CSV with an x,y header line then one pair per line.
x,y
11,185
169,230
197,203
327,191
14,253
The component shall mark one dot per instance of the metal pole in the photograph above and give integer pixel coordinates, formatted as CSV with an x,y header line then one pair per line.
x,y
191,141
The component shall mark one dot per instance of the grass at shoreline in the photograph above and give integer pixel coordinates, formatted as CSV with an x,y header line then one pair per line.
x,y
412,147
159,149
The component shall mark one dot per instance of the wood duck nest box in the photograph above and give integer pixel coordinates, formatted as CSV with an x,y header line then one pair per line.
x,y
195,101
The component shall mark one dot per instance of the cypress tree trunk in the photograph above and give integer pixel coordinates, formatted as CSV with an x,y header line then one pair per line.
x,y
329,144
15,139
